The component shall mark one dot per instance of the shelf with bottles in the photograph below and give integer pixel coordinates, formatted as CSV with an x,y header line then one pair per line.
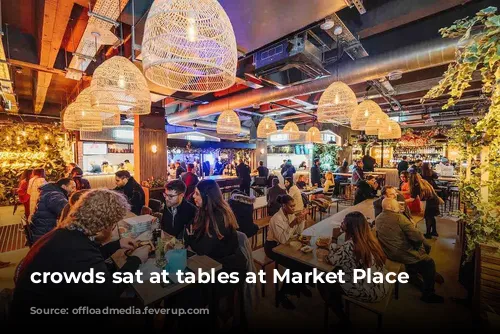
x,y
120,148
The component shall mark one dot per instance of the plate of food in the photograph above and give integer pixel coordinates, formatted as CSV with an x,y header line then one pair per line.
x,y
323,242
306,249
296,244
321,254
141,243
305,239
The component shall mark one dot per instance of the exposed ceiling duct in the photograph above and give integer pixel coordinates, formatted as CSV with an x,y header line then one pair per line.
x,y
416,57
209,126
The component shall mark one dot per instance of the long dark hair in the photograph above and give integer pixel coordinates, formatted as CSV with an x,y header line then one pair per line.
x,y
26,175
212,204
366,246
426,169
40,172
426,190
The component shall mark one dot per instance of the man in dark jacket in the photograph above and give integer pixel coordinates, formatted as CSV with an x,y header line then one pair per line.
x,y
242,206
132,190
391,192
178,213
243,172
53,199
81,183
403,165
366,189
272,195
263,170
403,243
190,179
178,170
316,174
368,163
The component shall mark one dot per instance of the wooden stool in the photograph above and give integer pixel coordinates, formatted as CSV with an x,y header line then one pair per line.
x,y
259,257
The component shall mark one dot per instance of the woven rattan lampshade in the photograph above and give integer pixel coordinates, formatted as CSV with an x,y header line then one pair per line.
x,y
118,86
292,130
84,112
391,130
112,121
228,123
313,135
266,126
375,122
189,46
360,116
337,104
70,121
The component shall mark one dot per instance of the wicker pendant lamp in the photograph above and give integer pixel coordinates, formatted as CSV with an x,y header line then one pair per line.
x,y
375,122
266,126
292,130
189,46
313,135
70,121
391,130
85,112
360,116
118,86
112,121
228,123
337,104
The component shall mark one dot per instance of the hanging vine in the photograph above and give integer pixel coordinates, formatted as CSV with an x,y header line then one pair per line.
x,y
478,50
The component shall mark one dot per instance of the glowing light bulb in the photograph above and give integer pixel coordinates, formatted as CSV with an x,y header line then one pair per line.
x,y
59,138
46,148
24,134
8,138
191,31
18,139
378,121
46,137
390,128
18,142
154,148
366,112
337,99
267,126
83,113
121,82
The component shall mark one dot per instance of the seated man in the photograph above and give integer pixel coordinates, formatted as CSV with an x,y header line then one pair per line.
x,y
366,189
403,243
178,213
390,192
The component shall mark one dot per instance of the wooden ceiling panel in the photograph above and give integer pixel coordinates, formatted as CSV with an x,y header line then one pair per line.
x,y
20,14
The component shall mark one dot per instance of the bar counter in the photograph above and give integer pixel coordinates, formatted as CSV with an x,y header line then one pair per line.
x,y
100,180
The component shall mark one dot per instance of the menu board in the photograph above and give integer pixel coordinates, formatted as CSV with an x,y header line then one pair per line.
x,y
95,148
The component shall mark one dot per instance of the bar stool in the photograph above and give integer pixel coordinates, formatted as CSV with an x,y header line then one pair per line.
x,y
454,194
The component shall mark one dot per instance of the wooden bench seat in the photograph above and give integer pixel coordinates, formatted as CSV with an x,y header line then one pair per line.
x,y
262,223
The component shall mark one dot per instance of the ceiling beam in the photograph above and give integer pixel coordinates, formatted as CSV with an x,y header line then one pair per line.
x,y
56,14
397,13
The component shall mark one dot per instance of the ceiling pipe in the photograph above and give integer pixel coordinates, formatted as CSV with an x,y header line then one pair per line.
x,y
416,57
209,126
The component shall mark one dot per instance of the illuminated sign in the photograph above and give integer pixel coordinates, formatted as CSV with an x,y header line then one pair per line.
x,y
123,134
195,138
279,137
95,148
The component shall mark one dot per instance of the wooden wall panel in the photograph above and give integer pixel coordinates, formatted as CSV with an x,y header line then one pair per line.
x,y
149,164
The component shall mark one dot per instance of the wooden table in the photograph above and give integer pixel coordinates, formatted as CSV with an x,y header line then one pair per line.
x,y
448,178
150,293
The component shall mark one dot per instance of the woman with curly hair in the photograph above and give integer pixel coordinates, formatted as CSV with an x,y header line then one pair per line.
x,y
71,249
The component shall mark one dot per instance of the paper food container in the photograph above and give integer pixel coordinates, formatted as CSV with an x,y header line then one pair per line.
x,y
139,227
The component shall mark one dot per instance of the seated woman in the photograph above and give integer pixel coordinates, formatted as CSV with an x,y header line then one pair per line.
x,y
282,226
70,248
328,187
295,193
361,249
213,232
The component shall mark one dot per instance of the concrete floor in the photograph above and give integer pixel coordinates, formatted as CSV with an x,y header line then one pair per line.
x,y
408,314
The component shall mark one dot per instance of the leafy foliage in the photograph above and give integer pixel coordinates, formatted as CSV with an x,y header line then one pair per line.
x,y
29,147
327,154
479,50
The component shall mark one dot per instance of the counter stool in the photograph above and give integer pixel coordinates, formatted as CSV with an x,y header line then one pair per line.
x,y
454,195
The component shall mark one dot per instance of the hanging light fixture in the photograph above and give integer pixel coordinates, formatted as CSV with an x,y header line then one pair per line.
x,y
313,135
390,130
228,123
71,123
266,126
360,116
118,86
189,46
375,122
337,104
111,122
292,130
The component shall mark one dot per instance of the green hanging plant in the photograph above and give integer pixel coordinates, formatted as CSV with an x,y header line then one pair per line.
x,y
327,154
478,50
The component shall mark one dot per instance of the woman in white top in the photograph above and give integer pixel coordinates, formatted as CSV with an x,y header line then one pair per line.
x,y
282,227
295,193
34,184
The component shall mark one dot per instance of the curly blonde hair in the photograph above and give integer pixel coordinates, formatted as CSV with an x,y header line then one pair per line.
x,y
97,210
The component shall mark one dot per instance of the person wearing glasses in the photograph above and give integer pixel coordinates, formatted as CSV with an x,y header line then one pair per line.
x,y
178,213
127,185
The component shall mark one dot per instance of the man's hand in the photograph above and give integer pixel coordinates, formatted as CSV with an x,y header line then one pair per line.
x,y
128,243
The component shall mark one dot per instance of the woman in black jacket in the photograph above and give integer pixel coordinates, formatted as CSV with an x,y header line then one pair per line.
x,y
213,232
71,249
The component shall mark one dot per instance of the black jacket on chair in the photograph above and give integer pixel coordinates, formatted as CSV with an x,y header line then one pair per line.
x,y
135,195
364,191
183,217
52,201
242,207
